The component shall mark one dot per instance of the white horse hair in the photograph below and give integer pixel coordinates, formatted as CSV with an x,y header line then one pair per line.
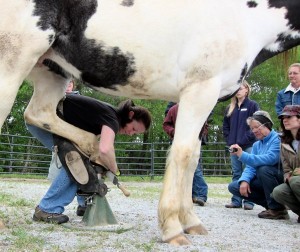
x,y
194,52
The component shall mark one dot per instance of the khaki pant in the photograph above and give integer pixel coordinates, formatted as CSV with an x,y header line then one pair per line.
x,y
289,194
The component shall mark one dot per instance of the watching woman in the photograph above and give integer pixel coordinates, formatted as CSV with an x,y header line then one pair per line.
x,y
288,193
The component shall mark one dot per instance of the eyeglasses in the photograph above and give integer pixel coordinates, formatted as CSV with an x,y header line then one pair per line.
x,y
257,128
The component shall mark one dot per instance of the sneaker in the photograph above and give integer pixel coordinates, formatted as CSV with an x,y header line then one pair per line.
x,y
274,214
80,210
199,201
40,215
232,206
248,207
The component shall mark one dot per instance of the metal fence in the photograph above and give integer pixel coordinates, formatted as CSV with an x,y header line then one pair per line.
x,y
25,155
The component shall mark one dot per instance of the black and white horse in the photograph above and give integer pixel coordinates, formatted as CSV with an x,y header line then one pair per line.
x,y
193,51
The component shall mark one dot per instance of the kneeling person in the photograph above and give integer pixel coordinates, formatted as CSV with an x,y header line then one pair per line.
x,y
288,193
262,172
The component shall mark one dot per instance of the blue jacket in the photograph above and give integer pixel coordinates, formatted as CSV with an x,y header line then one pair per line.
x,y
264,152
235,127
286,98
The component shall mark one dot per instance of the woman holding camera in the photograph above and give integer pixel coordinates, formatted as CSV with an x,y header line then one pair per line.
x,y
262,172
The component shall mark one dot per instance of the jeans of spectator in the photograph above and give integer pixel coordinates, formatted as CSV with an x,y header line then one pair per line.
x,y
237,169
200,187
63,190
261,186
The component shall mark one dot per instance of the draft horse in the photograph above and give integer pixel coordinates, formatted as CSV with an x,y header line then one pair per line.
x,y
194,52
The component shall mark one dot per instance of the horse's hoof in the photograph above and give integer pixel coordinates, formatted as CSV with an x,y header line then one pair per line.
x,y
196,230
179,240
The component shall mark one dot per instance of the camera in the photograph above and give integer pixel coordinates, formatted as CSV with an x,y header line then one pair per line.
x,y
231,150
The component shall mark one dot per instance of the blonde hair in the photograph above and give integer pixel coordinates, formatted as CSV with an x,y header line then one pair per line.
x,y
234,100
294,65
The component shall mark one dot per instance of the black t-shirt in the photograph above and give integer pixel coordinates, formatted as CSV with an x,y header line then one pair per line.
x,y
89,114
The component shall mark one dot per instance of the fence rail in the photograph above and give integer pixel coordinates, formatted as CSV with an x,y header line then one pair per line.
x,y
25,155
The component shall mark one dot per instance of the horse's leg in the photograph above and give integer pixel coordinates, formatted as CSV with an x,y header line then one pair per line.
x,y
49,89
19,52
175,211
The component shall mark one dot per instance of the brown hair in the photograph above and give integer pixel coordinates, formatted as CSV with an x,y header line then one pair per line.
x,y
140,114
286,136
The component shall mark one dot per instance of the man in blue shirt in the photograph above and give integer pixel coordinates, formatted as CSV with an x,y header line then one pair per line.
x,y
291,94
262,172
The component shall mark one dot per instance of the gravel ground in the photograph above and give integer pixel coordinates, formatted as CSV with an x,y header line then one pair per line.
x,y
229,229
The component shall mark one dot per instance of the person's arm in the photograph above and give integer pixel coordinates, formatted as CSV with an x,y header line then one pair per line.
x,y
169,125
226,127
278,104
107,149
270,157
249,136
287,169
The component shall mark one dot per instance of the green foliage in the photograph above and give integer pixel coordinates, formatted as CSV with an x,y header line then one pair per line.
x,y
14,123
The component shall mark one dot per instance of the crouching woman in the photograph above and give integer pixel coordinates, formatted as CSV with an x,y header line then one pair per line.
x,y
288,193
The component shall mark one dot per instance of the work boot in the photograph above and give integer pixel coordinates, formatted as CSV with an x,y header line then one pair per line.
x,y
80,210
40,215
274,214
199,201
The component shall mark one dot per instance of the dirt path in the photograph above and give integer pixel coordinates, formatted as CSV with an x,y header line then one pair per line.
x,y
229,229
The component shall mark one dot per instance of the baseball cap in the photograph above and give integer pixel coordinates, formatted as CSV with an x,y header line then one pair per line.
x,y
290,110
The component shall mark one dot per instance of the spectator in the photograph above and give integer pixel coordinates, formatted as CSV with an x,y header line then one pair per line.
x,y
170,105
199,188
262,172
237,131
288,193
291,94
98,118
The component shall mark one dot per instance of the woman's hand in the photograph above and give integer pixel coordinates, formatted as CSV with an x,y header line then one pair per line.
x,y
245,189
239,150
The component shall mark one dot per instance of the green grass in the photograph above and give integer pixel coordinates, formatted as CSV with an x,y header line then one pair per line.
x,y
10,200
208,179
25,242
22,176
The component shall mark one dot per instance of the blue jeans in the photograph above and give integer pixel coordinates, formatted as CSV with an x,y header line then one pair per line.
x,y
200,187
63,190
261,186
237,169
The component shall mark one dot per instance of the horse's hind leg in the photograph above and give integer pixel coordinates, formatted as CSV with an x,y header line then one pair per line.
x,y
21,45
49,89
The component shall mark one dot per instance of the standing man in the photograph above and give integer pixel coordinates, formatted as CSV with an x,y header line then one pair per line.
x,y
291,94
237,131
